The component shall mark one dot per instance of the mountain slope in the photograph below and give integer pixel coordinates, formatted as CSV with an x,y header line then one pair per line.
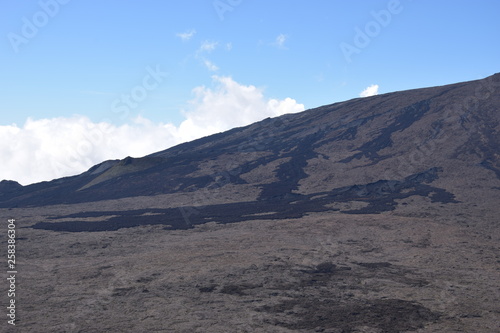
x,y
367,147
372,215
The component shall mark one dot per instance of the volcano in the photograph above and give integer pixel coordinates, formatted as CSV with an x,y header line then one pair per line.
x,y
377,214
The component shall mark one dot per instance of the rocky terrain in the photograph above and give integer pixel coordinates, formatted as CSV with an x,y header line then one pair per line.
x,y
377,214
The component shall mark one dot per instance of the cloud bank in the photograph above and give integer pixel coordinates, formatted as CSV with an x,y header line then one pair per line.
x,y
370,91
45,149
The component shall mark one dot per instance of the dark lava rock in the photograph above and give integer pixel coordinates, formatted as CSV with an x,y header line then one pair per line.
x,y
325,267
389,316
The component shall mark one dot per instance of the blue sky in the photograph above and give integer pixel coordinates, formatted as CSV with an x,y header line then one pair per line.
x,y
189,66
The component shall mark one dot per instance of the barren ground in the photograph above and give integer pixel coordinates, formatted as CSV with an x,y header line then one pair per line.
x,y
326,272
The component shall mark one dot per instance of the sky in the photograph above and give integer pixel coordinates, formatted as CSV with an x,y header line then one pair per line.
x,y
82,82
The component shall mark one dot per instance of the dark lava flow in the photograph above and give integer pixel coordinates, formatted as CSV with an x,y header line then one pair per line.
x,y
380,196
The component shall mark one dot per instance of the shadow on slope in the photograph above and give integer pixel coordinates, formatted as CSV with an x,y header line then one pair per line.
x,y
380,196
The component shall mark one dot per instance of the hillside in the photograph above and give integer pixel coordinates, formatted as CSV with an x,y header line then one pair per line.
x,y
376,214
371,153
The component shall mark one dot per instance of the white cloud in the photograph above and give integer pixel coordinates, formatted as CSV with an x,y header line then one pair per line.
x,y
45,149
229,104
370,91
207,46
51,148
280,41
185,36
210,65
